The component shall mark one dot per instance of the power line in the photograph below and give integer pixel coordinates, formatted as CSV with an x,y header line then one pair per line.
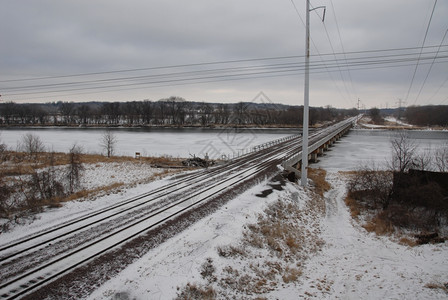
x,y
342,44
208,80
332,50
213,63
356,64
330,63
430,68
423,44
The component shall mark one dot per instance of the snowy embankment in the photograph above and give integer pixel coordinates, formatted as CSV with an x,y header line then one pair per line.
x,y
351,264
361,265
109,183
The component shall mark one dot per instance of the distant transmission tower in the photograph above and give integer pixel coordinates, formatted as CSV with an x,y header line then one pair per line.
x,y
399,103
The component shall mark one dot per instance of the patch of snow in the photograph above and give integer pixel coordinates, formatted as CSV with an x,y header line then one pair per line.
x,y
104,174
372,125
398,122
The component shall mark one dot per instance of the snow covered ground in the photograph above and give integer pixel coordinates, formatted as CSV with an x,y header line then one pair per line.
x,y
352,263
392,119
355,264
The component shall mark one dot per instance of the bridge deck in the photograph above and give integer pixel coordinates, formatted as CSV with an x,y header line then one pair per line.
x,y
318,142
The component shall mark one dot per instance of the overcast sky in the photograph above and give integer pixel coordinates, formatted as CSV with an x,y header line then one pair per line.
x,y
59,38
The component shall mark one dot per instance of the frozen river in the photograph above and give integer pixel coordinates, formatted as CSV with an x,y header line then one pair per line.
x,y
357,148
177,142
366,147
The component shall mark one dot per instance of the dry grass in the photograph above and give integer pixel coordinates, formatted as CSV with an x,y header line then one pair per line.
x,y
199,292
285,234
318,177
437,286
379,225
20,163
353,205
103,190
15,168
291,275
231,251
408,242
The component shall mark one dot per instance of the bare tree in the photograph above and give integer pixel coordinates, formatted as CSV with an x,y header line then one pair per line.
x,y
42,186
75,168
403,152
3,150
441,158
32,144
375,115
423,161
108,142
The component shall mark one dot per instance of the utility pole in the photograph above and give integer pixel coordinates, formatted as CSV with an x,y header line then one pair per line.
x,y
304,171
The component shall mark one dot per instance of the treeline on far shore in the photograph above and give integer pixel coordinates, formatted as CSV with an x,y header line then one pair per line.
x,y
427,115
176,111
173,111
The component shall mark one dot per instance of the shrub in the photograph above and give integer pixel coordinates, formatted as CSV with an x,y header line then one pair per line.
x,y
31,144
208,270
193,291
5,203
371,186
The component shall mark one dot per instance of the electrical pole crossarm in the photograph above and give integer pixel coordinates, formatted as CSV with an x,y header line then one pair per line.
x,y
324,8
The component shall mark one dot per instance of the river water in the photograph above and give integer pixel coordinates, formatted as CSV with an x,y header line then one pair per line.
x,y
175,142
372,147
357,148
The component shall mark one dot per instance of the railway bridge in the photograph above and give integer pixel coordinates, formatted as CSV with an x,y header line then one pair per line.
x,y
318,143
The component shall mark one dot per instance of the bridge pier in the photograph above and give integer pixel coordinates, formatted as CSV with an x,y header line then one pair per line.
x,y
320,151
313,157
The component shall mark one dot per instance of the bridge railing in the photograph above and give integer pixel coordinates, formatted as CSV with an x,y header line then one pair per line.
x,y
331,131
318,141
247,151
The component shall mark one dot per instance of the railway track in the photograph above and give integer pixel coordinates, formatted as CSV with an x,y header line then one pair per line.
x,y
34,261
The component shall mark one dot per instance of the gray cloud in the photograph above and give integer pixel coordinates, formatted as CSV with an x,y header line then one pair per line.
x,y
48,38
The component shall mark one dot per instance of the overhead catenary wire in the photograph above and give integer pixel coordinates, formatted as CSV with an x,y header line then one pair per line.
x,y
278,69
209,80
384,57
430,68
216,63
328,63
342,47
423,44
335,57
